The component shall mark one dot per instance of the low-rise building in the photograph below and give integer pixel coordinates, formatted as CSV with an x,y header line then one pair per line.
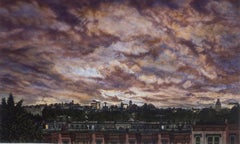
x,y
140,132
233,134
115,132
209,134
216,134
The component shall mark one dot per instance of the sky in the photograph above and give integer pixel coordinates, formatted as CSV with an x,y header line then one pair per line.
x,y
176,53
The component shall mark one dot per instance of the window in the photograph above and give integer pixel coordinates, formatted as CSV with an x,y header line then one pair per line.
x,y
213,140
65,141
131,141
198,140
210,140
232,139
216,140
98,141
164,141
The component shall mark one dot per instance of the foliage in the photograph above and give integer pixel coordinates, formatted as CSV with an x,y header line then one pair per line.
x,y
147,112
18,125
234,115
52,114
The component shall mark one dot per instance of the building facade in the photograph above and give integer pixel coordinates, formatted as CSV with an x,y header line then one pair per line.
x,y
140,132
209,134
233,134
216,134
116,132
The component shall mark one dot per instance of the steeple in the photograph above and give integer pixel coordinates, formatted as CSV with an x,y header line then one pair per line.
x,y
218,105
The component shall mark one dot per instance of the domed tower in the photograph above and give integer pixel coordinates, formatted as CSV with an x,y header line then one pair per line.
x,y
218,105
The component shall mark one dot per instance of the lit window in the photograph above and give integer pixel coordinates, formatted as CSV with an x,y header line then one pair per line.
x,y
46,126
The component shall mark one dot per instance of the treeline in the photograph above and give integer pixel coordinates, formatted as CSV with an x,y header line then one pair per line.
x,y
147,112
17,125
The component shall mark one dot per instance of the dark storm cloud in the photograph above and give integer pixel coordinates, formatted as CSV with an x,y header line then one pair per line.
x,y
190,45
230,64
230,41
199,5
117,50
9,80
25,60
62,13
119,79
150,3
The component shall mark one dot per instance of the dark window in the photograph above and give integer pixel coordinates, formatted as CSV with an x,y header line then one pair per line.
x,y
65,141
213,140
164,141
210,140
99,142
198,140
216,140
131,142
232,139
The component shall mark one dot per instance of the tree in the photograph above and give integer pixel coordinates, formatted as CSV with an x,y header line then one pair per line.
x,y
10,101
234,115
17,124
210,116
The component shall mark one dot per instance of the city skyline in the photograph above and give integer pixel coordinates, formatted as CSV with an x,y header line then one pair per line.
x,y
178,53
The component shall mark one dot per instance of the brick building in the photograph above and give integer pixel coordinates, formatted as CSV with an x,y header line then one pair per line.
x,y
116,132
140,132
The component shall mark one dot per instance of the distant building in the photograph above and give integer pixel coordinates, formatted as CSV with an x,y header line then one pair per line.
x,y
233,104
95,104
123,105
218,105
130,103
35,110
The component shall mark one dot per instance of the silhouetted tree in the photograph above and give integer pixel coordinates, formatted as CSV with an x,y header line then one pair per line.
x,y
17,124
210,116
10,101
234,115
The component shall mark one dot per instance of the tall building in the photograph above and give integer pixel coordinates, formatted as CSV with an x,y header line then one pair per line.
x,y
218,105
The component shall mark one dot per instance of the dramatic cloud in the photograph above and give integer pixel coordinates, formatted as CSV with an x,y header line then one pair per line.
x,y
167,52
